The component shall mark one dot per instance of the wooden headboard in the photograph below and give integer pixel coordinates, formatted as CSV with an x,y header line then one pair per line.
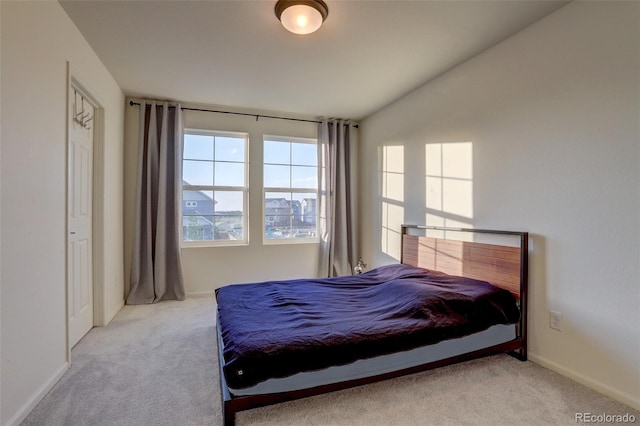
x,y
503,266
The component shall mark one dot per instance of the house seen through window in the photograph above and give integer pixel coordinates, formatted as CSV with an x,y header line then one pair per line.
x,y
290,189
214,188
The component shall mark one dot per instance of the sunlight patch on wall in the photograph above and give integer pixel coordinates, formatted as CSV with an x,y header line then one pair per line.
x,y
449,184
392,199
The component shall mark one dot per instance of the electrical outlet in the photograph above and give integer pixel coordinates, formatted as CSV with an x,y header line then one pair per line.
x,y
555,320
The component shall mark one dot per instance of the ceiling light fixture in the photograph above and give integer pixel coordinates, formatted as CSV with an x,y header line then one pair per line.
x,y
301,16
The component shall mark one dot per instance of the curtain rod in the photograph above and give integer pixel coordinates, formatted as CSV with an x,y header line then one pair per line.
x,y
257,116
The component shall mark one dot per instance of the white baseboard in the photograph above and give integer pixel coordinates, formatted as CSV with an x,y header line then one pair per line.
x,y
113,313
24,411
623,397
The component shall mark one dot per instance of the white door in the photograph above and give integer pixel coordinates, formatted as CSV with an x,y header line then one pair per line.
x,y
80,200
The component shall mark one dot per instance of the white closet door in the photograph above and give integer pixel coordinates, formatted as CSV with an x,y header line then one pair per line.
x,y
80,238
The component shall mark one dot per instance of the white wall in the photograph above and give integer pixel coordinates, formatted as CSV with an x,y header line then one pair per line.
x,y
37,41
550,121
0,216
206,269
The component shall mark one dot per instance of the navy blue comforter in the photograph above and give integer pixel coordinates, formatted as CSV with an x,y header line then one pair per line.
x,y
280,328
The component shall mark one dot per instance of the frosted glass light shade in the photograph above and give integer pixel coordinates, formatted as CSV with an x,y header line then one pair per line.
x,y
301,17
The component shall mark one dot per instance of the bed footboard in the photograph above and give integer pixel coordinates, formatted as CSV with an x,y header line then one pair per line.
x,y
228,412
233,404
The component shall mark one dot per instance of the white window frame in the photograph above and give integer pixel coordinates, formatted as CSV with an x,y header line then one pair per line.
x,y
245,190
316,191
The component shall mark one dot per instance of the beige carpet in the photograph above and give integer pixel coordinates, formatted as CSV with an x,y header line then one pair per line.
x,y
157,365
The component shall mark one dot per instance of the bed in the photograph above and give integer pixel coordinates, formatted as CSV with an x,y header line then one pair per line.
x,y
448,300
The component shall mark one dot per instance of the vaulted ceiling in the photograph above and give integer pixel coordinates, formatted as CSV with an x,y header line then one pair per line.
x,y
235,53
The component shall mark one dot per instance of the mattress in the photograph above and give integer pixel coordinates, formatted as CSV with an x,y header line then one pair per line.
x,y
278,329
383,364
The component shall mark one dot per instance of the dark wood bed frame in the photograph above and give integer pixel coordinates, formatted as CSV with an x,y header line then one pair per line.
x,y
503,266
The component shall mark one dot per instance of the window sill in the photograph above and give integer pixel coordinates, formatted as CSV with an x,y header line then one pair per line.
x,y
213,244
286,241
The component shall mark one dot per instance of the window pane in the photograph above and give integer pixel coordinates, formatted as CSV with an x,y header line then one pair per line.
x,y
277,204
304,154
305,221
197,228
291,166
277,227
228,228
197,203
214,161
229,149
305,229
198,147
304,177
308,204
197,172
229,174
229,203
277,152
277,176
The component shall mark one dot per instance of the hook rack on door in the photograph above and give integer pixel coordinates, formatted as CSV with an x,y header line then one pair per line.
x,y
82,117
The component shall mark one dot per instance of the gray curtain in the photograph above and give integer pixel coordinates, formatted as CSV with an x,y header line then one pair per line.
x,y
156,272
335,206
